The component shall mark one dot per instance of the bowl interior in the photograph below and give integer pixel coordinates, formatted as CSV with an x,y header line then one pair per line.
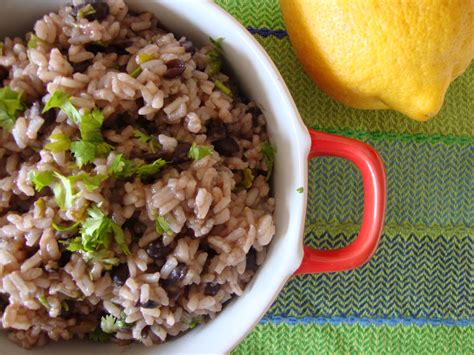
x,y
259,79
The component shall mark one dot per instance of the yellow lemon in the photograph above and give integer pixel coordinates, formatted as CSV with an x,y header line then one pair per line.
x,y
379,54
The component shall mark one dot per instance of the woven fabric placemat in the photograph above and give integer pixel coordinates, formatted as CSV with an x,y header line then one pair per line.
x,y
417,293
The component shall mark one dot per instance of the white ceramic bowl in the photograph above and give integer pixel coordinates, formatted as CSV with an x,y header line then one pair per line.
x,y
258,76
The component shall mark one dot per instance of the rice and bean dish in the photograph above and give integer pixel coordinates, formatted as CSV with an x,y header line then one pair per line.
x,y
134,180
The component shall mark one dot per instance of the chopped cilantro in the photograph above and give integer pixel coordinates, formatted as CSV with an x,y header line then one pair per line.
x,y
146,139
146,170
221,87
44,302
99,336
144,57
34,41
122,167
193,323
215,57
92,142
96,233
86,11
110,324
70,228
197,152
62,101
134,74
268,152
59,142
162,226
62,186
91,183
247,182
41,179
300,190
84,152
10,106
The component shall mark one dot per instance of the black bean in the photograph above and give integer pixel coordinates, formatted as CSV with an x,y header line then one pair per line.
x,y
3,74
122,45
212,288
152,268
216,129
180,153
3,301
210,252
255,112
157,250
177,274
65,257
188,46
185,232
251,262
94,48
120,274
227,147
148,304
101,10
81,67
135,226
151,127
176,67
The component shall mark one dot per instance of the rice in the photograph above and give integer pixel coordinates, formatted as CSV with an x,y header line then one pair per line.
x,y
179,241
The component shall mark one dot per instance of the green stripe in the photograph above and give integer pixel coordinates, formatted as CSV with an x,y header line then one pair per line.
x,y
342,339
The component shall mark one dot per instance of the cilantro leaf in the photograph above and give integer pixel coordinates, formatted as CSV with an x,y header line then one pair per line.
x,y
90,126
40,179
70,228
300,190
44,302
59,142
122,167
144,57
96,233
268,152
162,226
84,152
99,336
62,101
197,152
91,183
146,139
63,192
223,88
10,106
34,40
147,170
110,324
215,57
193,323
86,11
247,182
92,142
62,186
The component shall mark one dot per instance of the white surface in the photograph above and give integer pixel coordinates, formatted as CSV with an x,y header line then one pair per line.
x,y
261,81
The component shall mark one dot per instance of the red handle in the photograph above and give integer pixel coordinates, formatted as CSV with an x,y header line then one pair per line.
x,y
371,167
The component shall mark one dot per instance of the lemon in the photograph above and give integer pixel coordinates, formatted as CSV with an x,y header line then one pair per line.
x,y
379,54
